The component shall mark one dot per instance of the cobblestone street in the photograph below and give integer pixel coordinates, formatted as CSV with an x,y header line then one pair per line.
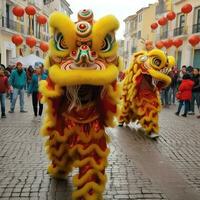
x,y
139,168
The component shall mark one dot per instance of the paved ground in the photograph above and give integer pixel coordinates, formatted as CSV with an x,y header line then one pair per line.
x,y
139,168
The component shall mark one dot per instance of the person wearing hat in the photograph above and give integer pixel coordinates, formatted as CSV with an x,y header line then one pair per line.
x,y
34,89
18,81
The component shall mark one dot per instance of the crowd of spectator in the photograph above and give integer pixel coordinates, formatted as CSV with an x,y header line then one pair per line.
x,y
17,81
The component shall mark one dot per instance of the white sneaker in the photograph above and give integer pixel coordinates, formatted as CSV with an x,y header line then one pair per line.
x,y
153,135
39,118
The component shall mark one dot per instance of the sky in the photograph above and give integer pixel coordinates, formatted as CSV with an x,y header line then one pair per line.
x,y
120,8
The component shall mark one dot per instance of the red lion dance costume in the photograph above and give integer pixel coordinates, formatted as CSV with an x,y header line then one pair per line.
x,y
81,94
146,76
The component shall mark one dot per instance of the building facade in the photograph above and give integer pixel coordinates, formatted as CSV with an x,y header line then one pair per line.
x,y
137,30
176,29
9,25
172,30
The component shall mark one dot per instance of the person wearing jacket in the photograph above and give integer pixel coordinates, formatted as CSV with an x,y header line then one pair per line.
x,y
185,90
17,80
195,90
33,89
4,87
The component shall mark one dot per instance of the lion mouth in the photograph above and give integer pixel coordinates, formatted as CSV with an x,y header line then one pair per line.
x,y
70,65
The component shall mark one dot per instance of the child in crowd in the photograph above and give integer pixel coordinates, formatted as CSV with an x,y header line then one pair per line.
x,y
185,94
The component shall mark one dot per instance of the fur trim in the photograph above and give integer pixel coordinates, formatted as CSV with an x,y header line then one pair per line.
x,y
101,28
64,24
78,77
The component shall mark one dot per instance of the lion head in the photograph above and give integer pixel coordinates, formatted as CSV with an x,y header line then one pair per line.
x,y
155,65
82,52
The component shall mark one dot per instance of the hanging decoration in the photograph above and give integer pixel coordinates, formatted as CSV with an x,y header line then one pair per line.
x,y
186,9
162,21
44,46
41,20
18,11
193,40
17,40
177,43
159,44
154,26
30,11
171,16
168,43
31,42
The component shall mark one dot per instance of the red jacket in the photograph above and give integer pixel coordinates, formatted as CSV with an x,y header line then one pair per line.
x,y
185,89
4,86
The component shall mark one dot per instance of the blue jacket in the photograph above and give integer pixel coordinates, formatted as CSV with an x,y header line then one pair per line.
x,y
17,80
33,87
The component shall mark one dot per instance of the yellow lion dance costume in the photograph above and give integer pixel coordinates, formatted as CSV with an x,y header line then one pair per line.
x,y
81,96
146,76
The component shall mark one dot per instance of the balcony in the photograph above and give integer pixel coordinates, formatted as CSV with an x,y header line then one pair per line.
x,y
196,28
179,31
12,25
164,35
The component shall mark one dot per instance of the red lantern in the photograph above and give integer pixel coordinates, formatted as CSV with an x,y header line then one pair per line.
x,y
41,19
194,40
30,10
162,21
17,39
154,26
18,11
31,41
159,44
177,42
187,8
171,16
44,46
168,43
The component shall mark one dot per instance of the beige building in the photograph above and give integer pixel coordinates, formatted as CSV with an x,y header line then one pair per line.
x,y
121,47
175,29
9,25
142,20
137,30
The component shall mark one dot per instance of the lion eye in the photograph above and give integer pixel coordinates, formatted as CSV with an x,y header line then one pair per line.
x,y
107,43
156,61
143,58
60,42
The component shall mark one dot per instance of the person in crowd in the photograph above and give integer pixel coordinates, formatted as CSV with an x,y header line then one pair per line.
x,y
199,97
173,86
29,74
195,91
181,73
185,94
4,88
33,89
189,70
18,81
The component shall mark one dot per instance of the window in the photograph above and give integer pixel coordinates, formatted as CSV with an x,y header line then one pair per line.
x,y
196,61
197,15
131,26
182,21
140,17
47,1
139,35
7,15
